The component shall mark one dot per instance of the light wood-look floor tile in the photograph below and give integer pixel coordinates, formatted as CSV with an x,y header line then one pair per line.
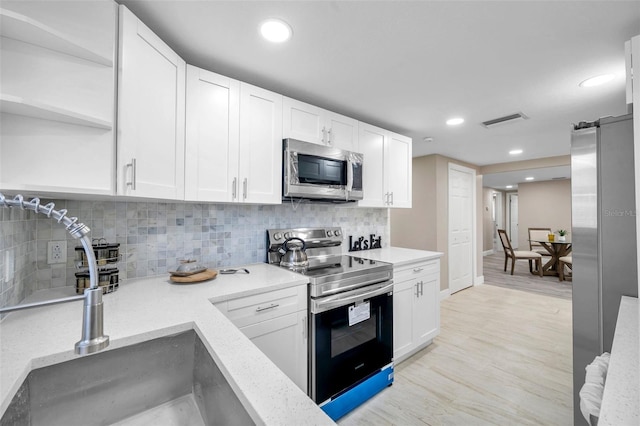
x,y
504,357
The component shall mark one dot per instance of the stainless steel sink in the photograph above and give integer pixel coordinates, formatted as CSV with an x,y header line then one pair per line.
x,y
169,380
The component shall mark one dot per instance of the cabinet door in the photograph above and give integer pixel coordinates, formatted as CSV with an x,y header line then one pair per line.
x,y
426,311
284,341
404,294
342,131
372,143
303,122
260,177
151,113
212,136
398,170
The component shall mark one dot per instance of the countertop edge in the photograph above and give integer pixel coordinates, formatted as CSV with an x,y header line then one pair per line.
x,y
620,399
398,256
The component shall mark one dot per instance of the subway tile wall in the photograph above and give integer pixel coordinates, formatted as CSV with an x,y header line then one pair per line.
x,y
153,236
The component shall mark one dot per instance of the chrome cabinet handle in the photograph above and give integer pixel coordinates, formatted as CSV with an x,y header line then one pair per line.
x,y
132,164
271,306
417,269
421,288
391,194
304,327
386,198
329,138
244,189
234,189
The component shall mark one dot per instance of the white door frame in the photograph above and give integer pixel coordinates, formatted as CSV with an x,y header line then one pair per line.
x,y
474,266
508,224
499,222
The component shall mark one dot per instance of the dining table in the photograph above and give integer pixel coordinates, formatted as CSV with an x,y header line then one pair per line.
x,y
556,249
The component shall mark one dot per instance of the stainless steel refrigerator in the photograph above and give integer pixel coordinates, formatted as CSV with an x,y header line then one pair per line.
x,y
603,237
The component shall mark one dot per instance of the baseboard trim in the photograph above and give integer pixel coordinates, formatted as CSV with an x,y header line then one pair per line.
x,y
444,294
478,280
488,252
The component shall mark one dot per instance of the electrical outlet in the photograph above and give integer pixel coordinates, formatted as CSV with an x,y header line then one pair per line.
x,y
56,252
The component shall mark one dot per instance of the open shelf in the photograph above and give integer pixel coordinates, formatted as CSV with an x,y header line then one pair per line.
x,y
19,27
16,105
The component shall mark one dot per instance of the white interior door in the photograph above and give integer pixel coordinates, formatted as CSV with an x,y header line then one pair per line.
x,y
461,226
513,220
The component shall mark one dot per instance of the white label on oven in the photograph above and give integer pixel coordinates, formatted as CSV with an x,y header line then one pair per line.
x,y
359,313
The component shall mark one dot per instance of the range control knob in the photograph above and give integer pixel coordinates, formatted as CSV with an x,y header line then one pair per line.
x,y
329,233
277,236
338,233
287,234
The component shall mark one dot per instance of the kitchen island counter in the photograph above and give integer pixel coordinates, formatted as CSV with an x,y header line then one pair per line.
x,y
154,307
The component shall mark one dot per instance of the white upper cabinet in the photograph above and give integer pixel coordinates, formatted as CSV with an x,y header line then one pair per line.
x,y
316,125
372,146
57,96
151,113
387,170
233,140
398,170
212,136
260,159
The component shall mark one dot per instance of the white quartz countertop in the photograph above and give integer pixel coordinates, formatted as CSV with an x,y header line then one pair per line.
x,y
148,308
621,398
396,255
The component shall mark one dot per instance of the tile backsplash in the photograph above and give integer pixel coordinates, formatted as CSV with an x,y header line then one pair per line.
x,y
153,236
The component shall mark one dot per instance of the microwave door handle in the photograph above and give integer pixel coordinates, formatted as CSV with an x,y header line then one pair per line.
x,y
349,175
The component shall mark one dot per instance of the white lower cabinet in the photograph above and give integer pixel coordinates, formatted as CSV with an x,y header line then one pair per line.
x,y
416,307
276,322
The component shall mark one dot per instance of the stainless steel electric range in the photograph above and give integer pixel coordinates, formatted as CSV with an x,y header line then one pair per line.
x,y
350,317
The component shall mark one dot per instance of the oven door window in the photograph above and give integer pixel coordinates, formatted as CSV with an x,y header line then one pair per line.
x,y
347,354
321,171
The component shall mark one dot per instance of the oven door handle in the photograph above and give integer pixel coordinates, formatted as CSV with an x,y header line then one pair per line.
x,y
338,300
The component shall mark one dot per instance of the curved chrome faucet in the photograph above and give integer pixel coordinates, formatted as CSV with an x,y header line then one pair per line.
x,y
93,338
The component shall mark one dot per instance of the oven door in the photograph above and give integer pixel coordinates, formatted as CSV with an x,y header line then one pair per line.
x,y
351,338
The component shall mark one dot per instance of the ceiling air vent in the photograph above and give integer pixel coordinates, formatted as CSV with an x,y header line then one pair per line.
x,y
503,120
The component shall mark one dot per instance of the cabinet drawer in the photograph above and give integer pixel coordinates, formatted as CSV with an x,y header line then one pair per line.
x,y
249,310
413,270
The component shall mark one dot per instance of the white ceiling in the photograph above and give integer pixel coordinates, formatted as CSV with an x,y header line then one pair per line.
x,y
513,178
410,65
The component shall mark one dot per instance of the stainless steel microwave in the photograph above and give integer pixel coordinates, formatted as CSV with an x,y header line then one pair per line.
x,y
321,173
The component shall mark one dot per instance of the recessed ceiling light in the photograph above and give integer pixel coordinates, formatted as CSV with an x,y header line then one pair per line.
x,y
515,152
275,30
455,121
427,139
509,186
597,80
529,178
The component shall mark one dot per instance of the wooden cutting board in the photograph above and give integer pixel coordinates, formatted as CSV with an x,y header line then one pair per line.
x,y
209,274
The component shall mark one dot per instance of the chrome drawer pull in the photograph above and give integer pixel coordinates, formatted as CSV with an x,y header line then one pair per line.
x,y
273,305
417,269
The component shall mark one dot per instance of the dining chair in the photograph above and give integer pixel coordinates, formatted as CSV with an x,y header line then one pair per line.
x,y
562,262
538,234
510,253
